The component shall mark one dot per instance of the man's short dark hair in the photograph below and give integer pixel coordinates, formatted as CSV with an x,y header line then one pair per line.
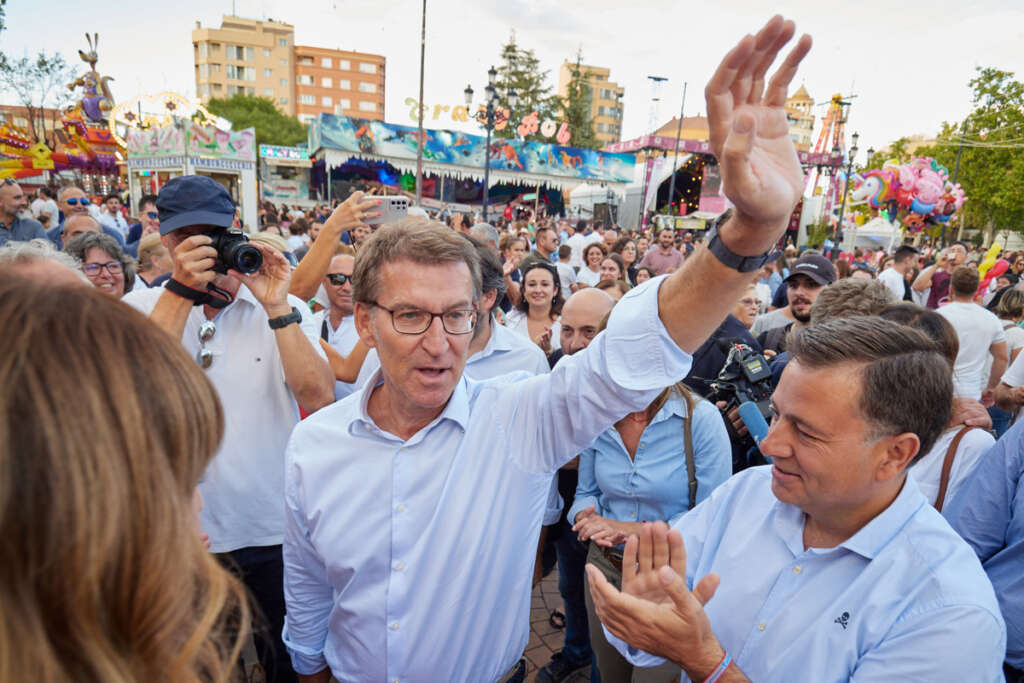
x,y
903,253
906,383
147,199
581,225
110,196
564,251
543,228
964,281
492,275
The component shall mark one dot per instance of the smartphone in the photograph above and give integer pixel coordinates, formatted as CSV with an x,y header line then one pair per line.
x,y
392,208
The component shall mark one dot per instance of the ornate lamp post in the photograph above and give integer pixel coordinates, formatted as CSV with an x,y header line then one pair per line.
x,y
490,116
846,188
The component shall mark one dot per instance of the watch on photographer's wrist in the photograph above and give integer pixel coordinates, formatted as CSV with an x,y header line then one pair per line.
x,y
742,264
285,320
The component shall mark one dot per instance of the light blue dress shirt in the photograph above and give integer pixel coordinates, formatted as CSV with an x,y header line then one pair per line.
x,y
654,485
988,512
413,560
903,599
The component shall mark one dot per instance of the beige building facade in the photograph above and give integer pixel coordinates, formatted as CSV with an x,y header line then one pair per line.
x,y
605,99
800,119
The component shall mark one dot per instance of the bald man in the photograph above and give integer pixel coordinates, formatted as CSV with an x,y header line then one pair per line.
x,y
79,223
581,319
74,202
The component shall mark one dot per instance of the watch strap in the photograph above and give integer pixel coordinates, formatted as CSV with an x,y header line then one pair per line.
x,y
285,320
742,264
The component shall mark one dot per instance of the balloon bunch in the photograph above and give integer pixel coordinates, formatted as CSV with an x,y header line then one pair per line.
x,y
990,268
917,192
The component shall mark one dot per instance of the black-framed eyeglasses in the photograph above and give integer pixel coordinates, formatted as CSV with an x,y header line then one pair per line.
x,y
417,321
205,356
93,269
75,201
338,279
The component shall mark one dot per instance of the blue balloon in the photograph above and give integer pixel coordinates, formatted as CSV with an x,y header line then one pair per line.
x,y
919,207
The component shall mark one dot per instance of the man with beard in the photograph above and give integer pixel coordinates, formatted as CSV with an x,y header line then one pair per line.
x,y
806,278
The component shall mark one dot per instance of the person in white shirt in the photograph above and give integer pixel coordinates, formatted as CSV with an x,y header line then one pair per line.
x,y
566,273
335,322
576,242
418,501
258,346
537,313
895,277
979,333
111,216
44,203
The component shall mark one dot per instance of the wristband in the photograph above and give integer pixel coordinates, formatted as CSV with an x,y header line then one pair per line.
x,y
742,264
720,669
285,320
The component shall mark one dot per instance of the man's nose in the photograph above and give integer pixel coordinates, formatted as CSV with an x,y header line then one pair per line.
x,y
435,339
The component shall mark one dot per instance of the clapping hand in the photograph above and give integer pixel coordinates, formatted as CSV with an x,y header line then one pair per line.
x,y
749,135
655,611
592,527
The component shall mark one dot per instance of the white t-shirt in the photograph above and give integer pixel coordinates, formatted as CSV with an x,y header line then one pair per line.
x,y
47,206
977,330
576,243
567,277
769,321
927,471
587,277
894,282
516,321
1014,377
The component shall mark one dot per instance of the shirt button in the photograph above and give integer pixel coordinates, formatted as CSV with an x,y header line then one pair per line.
x,y
643,445
797,569
760,627
400,508
399,566
394,626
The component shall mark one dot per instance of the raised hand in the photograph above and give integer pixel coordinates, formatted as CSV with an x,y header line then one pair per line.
x,y
761,173
270,283
352,212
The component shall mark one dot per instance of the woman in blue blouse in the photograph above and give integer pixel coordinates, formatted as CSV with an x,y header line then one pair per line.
x,y
637,471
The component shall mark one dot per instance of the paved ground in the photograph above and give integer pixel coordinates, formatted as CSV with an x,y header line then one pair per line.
x,y
544,639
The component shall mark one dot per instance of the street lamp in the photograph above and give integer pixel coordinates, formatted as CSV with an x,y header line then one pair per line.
x,y
846,188
489,117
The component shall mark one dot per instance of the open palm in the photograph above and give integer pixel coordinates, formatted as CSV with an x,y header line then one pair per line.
x,y
749,133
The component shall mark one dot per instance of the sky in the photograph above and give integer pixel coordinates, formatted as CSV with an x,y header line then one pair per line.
x,y
908,63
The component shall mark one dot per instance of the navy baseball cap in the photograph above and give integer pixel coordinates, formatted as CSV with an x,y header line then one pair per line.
x,y
194,200
814,266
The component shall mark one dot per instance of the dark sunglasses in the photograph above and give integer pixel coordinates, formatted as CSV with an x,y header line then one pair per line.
x,y
153,215
338,279
74,201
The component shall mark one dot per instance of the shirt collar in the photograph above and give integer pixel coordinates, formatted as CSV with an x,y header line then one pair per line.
x,y
877,533
499,341
456,410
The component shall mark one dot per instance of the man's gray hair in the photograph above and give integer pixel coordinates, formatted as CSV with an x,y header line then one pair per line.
x,y
34,251
64,191
487,233
906,385
81,217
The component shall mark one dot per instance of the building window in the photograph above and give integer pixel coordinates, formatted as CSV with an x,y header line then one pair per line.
x,y
602,128
344,84
367,68
234,52
250,73
267,73
284,82
307,99
326,82
266,52
306,61
367,106
250,91
249,54
216,87
235,90
344,65
284,62
325,62
204,71
204,90
235,72
305,79
307,118
283,42
268,92
326,101
343,103
204,50
215,47
215,68
284,100
368,87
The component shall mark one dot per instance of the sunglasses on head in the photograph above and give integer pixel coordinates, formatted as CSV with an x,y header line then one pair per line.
x,y
338,279
74,201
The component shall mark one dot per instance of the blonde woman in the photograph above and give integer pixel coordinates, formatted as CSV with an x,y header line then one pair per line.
x,y
104,575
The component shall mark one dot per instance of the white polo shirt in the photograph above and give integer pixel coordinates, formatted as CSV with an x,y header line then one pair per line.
x,y
243,486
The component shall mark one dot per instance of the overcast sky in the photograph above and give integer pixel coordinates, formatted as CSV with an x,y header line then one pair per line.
x,y
907,62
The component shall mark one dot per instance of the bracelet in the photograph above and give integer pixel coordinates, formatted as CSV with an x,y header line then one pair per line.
x,y
720,669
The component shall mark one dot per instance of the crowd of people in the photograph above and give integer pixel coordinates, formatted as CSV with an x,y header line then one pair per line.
x,y
366,451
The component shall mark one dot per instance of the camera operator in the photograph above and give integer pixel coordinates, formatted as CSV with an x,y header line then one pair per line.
x,y
260,361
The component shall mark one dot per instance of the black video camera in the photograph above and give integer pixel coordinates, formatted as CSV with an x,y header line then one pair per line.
x,y
744,378
234,251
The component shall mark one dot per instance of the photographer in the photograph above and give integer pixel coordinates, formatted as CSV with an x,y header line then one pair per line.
x,y
260,362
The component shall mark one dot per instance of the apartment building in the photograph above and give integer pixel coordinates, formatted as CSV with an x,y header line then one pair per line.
x,y
338,82
605,99
246,56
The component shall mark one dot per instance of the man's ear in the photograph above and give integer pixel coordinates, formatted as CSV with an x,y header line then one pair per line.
x,y
900,449
364,324
488,299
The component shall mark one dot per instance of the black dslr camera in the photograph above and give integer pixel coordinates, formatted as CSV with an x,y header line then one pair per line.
x,y
744,380
234,251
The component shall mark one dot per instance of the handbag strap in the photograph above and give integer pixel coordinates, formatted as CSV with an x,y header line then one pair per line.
x,y
947,466
691,467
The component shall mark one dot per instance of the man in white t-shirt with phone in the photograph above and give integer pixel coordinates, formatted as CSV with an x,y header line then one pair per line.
x,y
980,333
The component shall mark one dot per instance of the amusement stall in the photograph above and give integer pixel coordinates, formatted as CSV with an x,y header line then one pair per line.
x,y
284,175
166,136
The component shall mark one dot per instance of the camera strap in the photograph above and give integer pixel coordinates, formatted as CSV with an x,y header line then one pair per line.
x,y
214,296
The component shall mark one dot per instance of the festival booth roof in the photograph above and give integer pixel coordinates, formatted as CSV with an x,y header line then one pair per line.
x,y
873,234
648,142
336,139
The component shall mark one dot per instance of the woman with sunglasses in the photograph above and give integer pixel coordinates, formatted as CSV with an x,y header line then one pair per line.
x,y
104,262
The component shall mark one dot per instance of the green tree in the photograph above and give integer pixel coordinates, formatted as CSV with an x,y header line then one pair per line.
x,y
992,161
38,83
520,70
898,150
272,126
577,108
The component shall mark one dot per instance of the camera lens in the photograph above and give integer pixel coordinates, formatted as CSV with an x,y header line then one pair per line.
x,y
246,258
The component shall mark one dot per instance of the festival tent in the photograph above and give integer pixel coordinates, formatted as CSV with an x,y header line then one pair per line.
x,y
873,234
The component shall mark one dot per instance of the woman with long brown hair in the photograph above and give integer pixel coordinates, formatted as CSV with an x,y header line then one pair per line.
x,y
106,426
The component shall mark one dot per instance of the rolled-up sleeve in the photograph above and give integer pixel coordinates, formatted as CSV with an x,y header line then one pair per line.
x,y
586,487
558,415
308,595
